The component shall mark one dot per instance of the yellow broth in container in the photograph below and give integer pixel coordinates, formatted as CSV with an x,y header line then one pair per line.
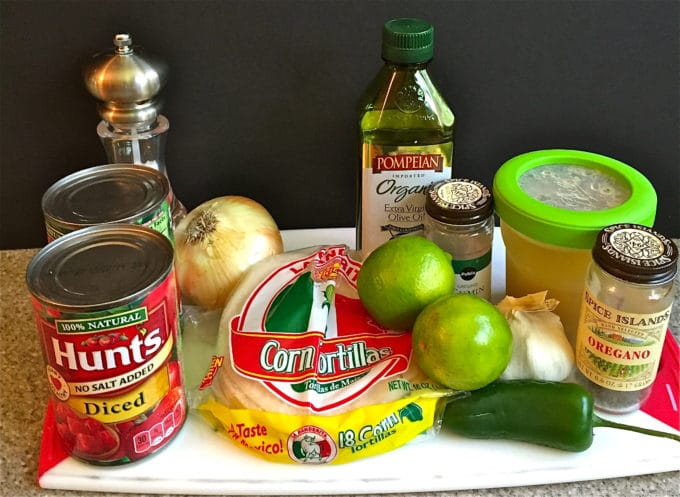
x,y
551,205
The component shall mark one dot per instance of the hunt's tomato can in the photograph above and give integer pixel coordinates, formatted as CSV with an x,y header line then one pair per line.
x,y
106,307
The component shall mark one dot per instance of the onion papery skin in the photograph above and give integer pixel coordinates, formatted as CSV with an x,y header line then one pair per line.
x,y
217,242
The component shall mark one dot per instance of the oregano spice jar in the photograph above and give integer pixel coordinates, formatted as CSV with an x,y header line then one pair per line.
x,y
460,219
624,315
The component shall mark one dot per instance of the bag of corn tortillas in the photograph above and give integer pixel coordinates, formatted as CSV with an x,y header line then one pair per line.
x,y
306,375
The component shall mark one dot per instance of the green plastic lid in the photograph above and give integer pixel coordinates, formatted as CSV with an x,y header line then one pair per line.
x,y
565,197
407,41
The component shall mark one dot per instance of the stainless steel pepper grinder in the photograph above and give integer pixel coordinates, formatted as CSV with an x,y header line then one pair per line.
x,y
126,81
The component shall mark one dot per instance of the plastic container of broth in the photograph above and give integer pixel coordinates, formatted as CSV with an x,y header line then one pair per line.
x,y
551,205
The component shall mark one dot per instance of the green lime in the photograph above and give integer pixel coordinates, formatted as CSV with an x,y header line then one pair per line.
x,y
400,277
462,342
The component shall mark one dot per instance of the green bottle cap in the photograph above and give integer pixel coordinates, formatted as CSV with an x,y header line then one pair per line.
x,y
407,41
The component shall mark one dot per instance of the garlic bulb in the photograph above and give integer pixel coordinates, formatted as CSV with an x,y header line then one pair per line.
x,y
540,349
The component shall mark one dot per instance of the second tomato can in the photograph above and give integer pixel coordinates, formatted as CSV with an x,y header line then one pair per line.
x,y
111,193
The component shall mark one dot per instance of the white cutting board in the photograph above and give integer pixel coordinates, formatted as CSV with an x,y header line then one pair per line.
x,y
200,461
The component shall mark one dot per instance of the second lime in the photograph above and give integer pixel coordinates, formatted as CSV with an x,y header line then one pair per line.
x,y
462,342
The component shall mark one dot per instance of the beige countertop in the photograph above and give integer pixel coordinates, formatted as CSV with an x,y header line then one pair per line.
x,y
23,394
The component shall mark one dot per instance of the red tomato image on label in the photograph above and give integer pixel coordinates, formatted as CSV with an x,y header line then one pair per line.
x,y
174,374
86,438
56,382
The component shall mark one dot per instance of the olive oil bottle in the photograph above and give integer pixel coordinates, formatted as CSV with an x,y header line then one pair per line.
x,y
407,137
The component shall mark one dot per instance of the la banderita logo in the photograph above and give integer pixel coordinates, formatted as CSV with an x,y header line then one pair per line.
x,y
311,445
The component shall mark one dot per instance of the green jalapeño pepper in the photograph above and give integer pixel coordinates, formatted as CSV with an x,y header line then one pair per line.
x,y
554,414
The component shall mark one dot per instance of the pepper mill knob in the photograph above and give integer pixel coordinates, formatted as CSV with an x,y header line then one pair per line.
x,y
126,81
123,43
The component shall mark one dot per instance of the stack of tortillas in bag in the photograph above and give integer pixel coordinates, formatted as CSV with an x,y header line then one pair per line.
x,y
238,391
301,355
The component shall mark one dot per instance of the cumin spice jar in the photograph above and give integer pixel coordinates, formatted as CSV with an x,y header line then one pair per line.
x,y
624,315
460,220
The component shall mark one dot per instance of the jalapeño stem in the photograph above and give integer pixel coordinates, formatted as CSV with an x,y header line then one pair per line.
x,y
605,423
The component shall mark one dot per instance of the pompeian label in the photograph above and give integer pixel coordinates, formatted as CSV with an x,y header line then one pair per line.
x,y
619,350
393,187
308,341
407,162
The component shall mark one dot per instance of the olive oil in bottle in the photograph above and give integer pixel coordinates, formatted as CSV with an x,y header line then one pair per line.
x,y
407,137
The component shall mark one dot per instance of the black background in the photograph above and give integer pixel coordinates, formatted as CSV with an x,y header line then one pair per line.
x,y
261,94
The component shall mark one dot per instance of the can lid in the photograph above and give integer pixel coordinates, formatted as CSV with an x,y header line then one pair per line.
x,y
636,253
111,193
459,201
100,268
407,41
567,225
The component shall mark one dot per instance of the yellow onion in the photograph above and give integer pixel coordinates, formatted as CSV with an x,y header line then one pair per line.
x,y
217,242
